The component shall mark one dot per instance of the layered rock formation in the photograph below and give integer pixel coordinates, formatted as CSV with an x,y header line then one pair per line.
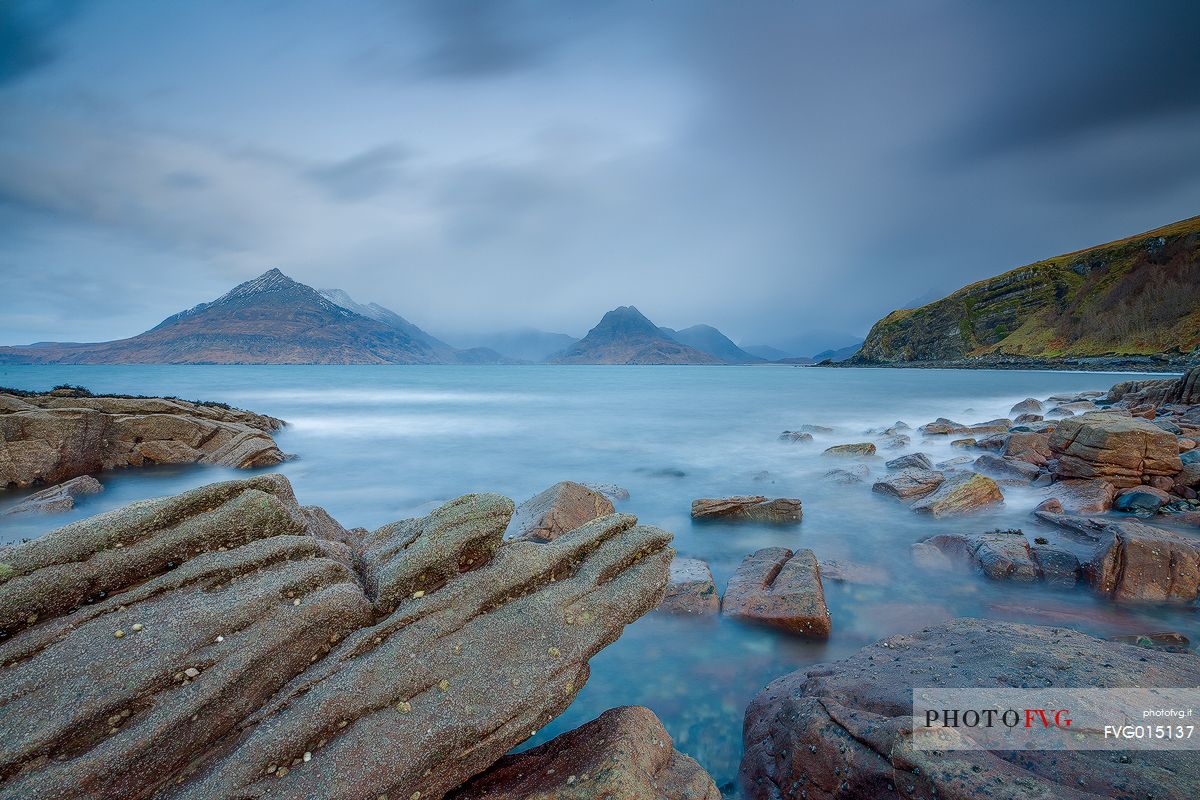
x,y
48,438
625,753
960,494
1114,447
844,729
750,508
228,642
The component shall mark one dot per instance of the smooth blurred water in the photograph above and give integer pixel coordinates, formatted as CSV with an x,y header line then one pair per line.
x,y
376,444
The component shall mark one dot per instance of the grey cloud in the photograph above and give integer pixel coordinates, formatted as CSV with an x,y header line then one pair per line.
x,y
361,176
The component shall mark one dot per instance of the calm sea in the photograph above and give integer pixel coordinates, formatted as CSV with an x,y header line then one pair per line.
x,y
376,444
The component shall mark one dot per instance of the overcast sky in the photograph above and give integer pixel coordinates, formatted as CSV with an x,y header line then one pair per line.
x,y
766,166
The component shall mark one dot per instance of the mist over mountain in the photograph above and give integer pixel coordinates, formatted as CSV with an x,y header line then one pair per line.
x,y
625,336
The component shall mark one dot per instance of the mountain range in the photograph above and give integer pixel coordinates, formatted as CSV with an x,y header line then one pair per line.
x,y
273,319
1134,302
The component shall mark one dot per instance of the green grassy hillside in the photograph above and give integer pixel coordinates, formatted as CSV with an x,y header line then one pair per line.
x,y
1138,296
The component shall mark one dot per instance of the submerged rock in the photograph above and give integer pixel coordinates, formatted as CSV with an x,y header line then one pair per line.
x,y
853,474
918,460
57,499
624,753
843,729
856,572
1112,446
960,494
1004,555
777,587
52,438
1030,405
227,642
795,436
563,507
690,589
751,508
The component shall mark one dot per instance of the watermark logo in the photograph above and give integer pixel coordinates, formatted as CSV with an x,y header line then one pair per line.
x,y
1055,719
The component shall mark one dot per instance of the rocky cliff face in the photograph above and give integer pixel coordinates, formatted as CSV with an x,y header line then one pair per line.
x,y
625,336
228,642
1133,302
269,320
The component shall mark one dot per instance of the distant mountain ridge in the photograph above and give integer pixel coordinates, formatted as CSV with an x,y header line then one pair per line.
x,y
525,344
708,339
625,336
270,319
1134,302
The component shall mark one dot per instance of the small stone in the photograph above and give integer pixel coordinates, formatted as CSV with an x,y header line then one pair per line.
x,y
404,706
554,652
137,626
419,593
308,756
220,638
279,773
119,634
296,602
443,684
191,672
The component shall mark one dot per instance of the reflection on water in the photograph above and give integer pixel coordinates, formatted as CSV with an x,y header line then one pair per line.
x,y
377,444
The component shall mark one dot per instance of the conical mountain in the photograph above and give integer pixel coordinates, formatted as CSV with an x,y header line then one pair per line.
x,y
625,336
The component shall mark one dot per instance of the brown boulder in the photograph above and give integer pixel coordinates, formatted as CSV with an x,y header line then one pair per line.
x,y
1007,468
229,643
1028,446
1029,405
624,753
1112,446
563,507
843,730
750,508
690,589
1083,497
961,494
58,498
1137,562
851,450
1000,555
49,439
777,587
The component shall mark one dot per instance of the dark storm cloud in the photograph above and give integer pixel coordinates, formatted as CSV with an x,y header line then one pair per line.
x,y
27,35
1079,67
770,168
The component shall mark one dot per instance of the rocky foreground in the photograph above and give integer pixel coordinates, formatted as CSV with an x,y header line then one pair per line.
x,y
228,642
844,730
63,434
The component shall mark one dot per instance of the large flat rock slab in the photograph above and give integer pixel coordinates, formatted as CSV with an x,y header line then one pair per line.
x,y
690,589
777,587
1115,447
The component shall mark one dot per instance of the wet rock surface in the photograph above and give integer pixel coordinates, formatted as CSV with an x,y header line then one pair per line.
x,y
843,729
227,642
1112,446
690,589
750,508
960,494
777,587
625,753
49,438
1083,496
563,507
58,498
857,449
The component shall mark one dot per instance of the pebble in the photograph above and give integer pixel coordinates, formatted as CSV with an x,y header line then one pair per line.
x,y
308,756
137,626
191,672
419,593
296,602
444,684
220,638
404,706
119,634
